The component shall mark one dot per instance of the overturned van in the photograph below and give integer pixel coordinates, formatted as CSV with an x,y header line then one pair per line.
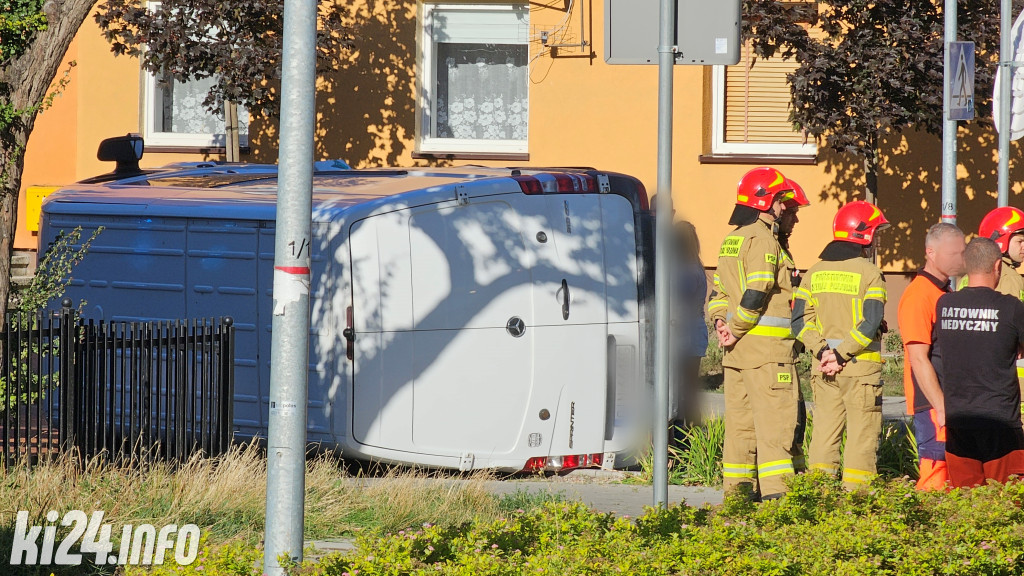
x,y
461,317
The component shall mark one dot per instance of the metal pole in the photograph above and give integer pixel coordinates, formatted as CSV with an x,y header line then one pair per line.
x,y
662,250
948,126
1005,97
289,357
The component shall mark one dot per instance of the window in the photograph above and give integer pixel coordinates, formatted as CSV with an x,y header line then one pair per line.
x,y
474,80
751,109
174,115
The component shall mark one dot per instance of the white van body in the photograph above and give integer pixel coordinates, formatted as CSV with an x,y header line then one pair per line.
x,y
462,318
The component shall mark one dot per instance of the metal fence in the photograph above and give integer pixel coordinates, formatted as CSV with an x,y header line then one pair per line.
x,y
119,390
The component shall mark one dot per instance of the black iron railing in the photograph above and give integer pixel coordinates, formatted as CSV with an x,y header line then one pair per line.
x,y
118,390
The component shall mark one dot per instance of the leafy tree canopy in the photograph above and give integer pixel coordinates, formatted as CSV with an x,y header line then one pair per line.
x,y
235,42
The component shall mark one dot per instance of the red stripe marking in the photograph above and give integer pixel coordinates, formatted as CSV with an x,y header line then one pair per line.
x,y
292,269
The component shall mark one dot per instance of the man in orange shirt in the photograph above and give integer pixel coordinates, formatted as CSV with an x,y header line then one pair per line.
x,y
944,258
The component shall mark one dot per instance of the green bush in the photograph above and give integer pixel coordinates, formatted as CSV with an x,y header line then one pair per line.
x,y
818,529
30,375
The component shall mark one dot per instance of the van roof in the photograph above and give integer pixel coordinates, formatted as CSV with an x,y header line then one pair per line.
x,y
249,192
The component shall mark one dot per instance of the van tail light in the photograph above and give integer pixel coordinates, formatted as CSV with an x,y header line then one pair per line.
x,y
529,185
557,183
563,463
535,464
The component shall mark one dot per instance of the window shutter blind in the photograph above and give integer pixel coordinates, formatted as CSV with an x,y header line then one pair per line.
x,y
757,101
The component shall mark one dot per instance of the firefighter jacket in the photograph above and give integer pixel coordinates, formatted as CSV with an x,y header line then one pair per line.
x,y
840,306
752,294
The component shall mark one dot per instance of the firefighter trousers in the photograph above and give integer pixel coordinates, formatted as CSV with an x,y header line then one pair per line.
x,y
853,404
762,409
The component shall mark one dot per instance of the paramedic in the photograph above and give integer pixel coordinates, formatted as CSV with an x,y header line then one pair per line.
x,y
980,332
1005,226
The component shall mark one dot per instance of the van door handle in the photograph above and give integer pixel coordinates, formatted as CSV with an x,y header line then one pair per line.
x,y
565,300
350,335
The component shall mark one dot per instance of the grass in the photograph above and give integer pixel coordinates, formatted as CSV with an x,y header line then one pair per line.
x,y
225,497
522,499
699,461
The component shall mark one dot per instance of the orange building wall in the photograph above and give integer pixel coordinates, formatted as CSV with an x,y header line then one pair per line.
x,y
582,112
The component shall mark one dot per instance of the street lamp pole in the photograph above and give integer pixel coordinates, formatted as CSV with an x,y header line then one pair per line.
x,y
289,355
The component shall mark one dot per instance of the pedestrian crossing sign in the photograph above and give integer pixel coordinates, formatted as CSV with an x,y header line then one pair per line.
x,y
961,81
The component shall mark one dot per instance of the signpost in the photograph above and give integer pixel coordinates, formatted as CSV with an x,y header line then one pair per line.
x,y
1007,100
961,102
289,352
949,125
700,33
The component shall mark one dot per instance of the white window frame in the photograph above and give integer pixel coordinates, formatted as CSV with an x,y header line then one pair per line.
x,y
172,139
427,81
719,147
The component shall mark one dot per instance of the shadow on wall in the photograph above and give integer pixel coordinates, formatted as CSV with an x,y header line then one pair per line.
x,y
910,187
373,91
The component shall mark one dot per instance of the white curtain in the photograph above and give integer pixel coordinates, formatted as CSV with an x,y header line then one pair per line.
x,y
482,91
180,109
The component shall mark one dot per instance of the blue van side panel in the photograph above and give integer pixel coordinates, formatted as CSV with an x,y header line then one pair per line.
x,y
221,274
148,268
135,269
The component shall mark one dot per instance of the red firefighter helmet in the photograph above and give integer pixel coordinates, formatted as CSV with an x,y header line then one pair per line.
x,y
857,222
759,188
799,198
1000,224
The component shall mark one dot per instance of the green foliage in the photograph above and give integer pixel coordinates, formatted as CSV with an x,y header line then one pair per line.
x,y
239,45
837,97
234,558
30,374
897,452
697,461
53,274
20,20
818,529
527,500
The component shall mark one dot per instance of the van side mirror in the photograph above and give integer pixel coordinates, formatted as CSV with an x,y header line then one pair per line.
x,y
126,151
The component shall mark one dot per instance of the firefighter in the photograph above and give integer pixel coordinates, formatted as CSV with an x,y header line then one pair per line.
x,y
838,315
1005,226
787,221
750,309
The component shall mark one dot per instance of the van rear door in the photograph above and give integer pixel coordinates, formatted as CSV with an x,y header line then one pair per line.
x,y
441,304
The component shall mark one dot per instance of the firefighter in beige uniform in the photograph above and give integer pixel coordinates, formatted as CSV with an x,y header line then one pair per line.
x,y
1005,226
838,315
750,309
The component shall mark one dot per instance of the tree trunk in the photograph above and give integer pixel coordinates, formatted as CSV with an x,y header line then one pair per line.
x,y
871,180
25,82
